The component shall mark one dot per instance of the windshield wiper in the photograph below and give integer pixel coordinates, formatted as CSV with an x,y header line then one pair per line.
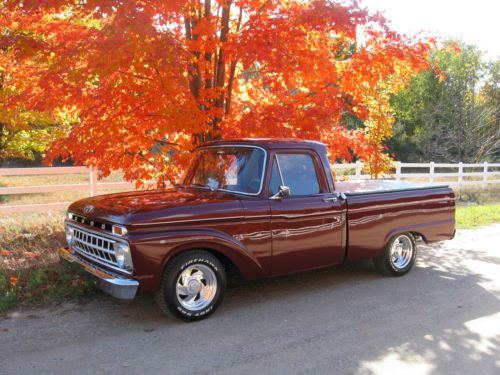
x,y
202,186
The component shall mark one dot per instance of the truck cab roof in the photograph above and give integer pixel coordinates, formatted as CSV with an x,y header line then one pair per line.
x,y
268,143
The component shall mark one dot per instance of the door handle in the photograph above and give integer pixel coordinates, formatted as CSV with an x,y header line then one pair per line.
x,y
330,199
335,198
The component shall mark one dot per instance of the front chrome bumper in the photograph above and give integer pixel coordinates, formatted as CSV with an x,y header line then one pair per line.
x,y
116,285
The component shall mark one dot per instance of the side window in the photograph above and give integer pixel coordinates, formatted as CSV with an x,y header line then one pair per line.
x,y
275,182
299,173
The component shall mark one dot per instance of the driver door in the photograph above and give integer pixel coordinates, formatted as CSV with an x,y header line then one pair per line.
x,y
307,226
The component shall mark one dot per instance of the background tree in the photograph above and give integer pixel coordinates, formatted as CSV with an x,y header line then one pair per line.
x,y
452,116
489,102
140,77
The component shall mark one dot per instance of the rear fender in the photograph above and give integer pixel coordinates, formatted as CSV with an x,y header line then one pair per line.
x,y
430,232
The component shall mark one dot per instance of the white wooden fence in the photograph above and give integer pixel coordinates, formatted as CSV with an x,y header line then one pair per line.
x,y
461,175
92,186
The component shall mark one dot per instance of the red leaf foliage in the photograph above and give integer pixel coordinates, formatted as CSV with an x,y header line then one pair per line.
x,y
133,79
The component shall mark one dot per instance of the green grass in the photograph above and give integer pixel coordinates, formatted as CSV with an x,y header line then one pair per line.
x,y
30,271
475,216
40,286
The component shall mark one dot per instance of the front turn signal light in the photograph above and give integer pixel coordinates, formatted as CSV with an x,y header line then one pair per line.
x,y
119,230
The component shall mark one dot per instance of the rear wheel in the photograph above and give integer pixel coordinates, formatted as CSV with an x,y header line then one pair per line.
x,y
192,286
399,256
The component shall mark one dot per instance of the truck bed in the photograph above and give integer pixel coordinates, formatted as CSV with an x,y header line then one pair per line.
x,y
379,209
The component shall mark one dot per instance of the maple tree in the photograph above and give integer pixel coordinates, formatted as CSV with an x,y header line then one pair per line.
x,y
131,81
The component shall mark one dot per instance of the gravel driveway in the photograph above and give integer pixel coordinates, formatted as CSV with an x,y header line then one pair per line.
x,y
442,318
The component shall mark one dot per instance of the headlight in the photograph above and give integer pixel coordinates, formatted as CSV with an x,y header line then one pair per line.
x,y
122,255
69,215
69,235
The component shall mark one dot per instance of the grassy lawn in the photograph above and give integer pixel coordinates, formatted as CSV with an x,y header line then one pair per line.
x,y
42,285
475,216
30,271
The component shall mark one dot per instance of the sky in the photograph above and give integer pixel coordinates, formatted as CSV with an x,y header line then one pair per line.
x,y
474,22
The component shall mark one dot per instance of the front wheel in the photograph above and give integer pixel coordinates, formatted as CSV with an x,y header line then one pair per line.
x,y
399,256
192,286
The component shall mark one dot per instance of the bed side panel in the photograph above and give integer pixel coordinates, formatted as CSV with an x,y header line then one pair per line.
x,y
374,218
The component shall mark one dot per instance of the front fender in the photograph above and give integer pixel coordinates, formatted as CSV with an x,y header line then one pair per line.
x,y
151,253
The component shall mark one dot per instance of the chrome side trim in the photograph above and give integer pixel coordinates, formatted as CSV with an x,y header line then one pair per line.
x,y
401,204
228,218
430,187
263,167
225,218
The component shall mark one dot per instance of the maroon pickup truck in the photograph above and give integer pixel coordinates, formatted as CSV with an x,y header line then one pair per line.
x,y
261,207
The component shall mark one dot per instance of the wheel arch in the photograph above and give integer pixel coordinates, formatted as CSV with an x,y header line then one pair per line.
x,y
401,230
237,262
225,260
417,234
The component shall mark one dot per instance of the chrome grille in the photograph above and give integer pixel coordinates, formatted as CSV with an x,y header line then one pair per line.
x,y
94,246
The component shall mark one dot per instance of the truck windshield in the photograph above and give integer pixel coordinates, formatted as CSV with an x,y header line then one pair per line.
x,y
238,169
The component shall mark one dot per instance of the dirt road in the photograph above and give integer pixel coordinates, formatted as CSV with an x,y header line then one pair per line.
x,y
442,318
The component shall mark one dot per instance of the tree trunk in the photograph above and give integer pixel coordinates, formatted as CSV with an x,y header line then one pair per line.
x,y
208,55
2,146
232,71
218,78
221,64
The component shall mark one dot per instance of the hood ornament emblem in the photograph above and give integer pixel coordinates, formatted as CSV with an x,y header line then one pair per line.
x,y
88,209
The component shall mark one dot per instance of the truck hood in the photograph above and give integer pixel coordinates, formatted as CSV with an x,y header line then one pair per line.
x,y
156,206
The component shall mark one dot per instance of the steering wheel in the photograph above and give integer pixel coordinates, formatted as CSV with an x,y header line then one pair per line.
x,y
254,185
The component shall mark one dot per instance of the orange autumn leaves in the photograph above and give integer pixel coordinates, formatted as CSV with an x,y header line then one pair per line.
x,y
131,81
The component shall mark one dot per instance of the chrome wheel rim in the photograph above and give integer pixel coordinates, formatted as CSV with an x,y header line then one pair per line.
x,y
196,287
401,252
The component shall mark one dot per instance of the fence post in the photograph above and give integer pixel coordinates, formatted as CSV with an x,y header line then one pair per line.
x,y
431,174
92,182
460,175
398,171
485,174
358,169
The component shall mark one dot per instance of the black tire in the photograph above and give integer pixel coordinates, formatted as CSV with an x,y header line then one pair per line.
x,y
385,263
167,298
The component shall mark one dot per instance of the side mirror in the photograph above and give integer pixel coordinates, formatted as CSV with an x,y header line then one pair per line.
x,y
284,191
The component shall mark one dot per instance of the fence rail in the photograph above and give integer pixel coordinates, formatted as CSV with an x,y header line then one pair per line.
x,y
92,186
489,174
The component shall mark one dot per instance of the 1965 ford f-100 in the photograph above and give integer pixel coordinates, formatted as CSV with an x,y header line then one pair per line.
x,y
262,207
